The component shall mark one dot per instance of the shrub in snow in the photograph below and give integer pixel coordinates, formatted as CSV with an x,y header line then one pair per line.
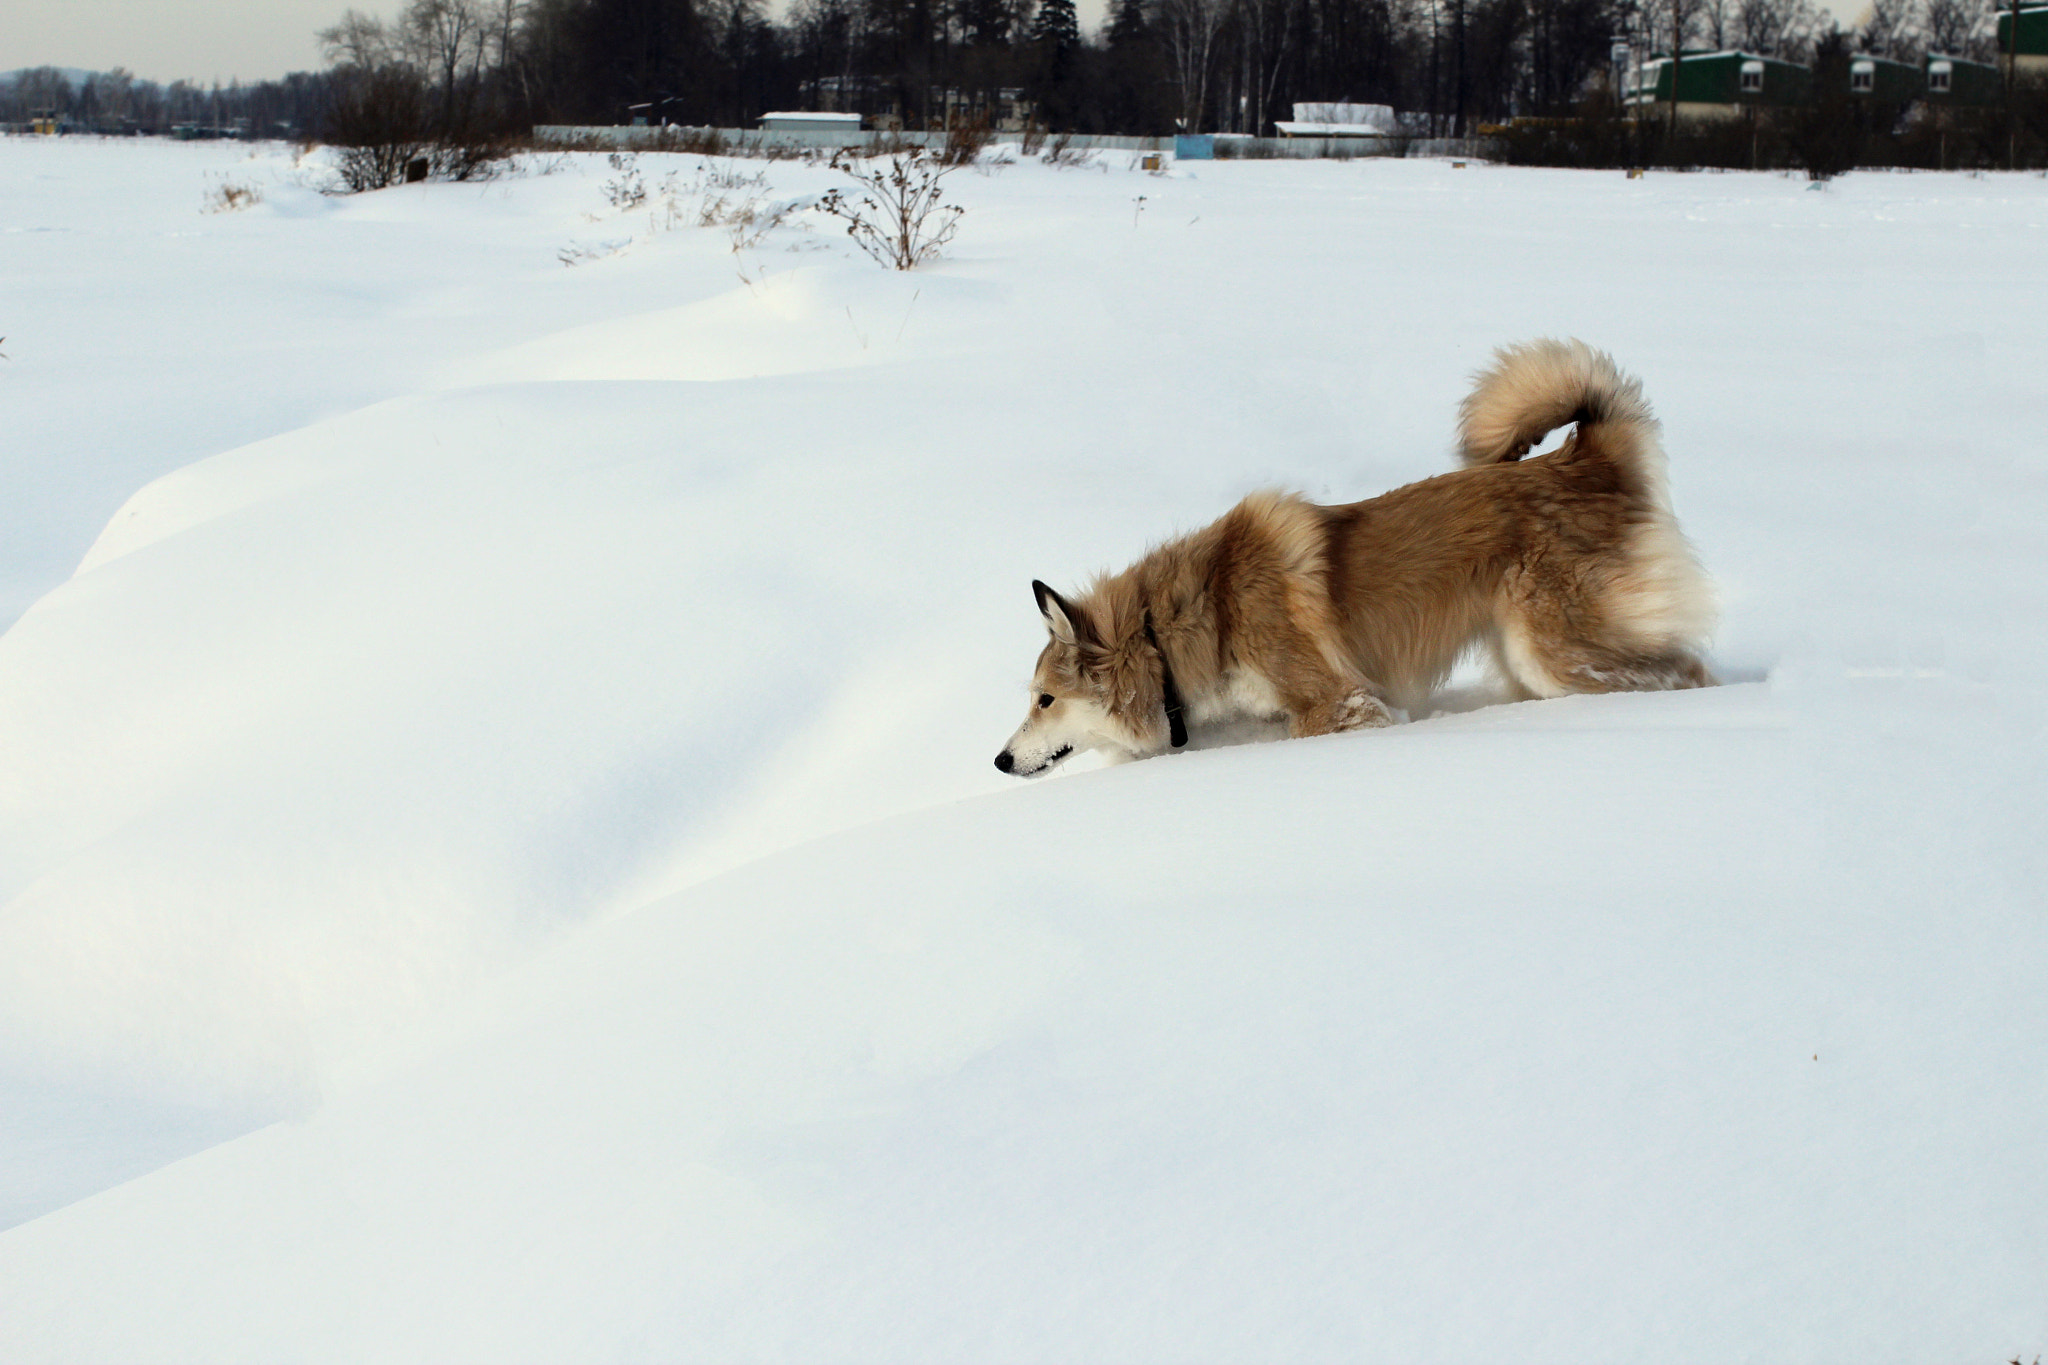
x,y
1064,154
378,120
966,140
896,215
382,121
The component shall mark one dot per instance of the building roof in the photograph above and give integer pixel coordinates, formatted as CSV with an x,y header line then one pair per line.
x,y
2033,26
1660,58
1293,129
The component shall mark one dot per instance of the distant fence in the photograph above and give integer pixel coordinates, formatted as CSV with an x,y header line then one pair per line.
x,y
754,142
1344,148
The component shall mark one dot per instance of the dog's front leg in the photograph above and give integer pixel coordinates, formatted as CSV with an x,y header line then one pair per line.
x,y
1353,708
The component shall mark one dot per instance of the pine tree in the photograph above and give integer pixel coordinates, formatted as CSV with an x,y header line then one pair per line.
x,y
1134,73
1056,29
1127,24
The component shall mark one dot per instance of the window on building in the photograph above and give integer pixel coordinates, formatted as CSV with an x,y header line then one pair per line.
x,y
1938,76
1752,78
1862,78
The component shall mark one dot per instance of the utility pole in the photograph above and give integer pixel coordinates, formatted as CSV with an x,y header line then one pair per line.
x,y
1678,17
2012,52
2012,92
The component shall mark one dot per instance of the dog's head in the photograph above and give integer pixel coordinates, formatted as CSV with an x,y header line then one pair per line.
x,y
1077,703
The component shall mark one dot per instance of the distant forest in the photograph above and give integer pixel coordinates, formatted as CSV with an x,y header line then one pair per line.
x,y
496,67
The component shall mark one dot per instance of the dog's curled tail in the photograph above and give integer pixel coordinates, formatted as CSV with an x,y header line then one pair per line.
x,y
1532,389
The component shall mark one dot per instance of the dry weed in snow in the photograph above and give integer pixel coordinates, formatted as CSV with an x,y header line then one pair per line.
x,y
896,215
720,196
228,197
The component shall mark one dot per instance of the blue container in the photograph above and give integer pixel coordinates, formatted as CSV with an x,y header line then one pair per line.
x,y
1194,147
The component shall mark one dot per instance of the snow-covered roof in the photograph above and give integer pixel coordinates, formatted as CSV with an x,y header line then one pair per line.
x,y
1663,57
1292,129
811,116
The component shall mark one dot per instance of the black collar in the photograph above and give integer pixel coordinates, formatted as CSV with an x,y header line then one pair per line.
x,y
1176,720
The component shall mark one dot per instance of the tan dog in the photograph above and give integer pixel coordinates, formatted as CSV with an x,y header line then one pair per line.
x,y
1568,568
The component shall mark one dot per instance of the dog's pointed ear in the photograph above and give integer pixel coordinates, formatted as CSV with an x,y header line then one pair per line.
x,y
1066,623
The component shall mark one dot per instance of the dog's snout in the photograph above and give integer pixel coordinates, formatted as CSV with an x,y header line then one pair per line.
x,y
1005,761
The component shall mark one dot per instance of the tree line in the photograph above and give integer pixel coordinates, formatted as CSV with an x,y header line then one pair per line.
x,y
469,69
1155,67
118,102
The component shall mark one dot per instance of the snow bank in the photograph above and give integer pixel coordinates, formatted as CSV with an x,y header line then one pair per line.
x,y
1318,1051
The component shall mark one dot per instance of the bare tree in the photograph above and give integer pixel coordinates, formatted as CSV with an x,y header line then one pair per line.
x,y
836,31
1890,30
1953,26
359,40
115,90
399,93
1190,28
1676,22
1718,17
444,34
503,18
1461,70
44,88
1268,26
1775,28
2009,57
1435,10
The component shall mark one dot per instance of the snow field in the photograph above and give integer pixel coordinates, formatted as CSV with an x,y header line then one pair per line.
x,y
544,763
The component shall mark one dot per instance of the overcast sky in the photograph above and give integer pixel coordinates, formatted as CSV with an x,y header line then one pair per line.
x,y
248,40
168,40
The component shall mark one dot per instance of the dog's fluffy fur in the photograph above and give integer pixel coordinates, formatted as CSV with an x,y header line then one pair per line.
x,y
1568,569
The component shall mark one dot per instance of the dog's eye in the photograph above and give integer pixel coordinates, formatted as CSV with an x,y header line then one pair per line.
x,y
1044,700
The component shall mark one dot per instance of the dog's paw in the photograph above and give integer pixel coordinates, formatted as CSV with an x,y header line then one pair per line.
x,y
1361,710
1357,709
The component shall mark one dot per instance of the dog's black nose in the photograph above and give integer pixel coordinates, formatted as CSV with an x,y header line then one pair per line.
x,y
1004,762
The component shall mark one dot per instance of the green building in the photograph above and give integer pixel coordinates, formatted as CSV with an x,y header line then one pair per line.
x,y
1720,84
1885,81
1956,82
2032,50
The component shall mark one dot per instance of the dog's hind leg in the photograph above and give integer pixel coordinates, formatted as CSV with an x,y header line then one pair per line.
x,y
1554,663
1565,626
1595,668
1509,680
